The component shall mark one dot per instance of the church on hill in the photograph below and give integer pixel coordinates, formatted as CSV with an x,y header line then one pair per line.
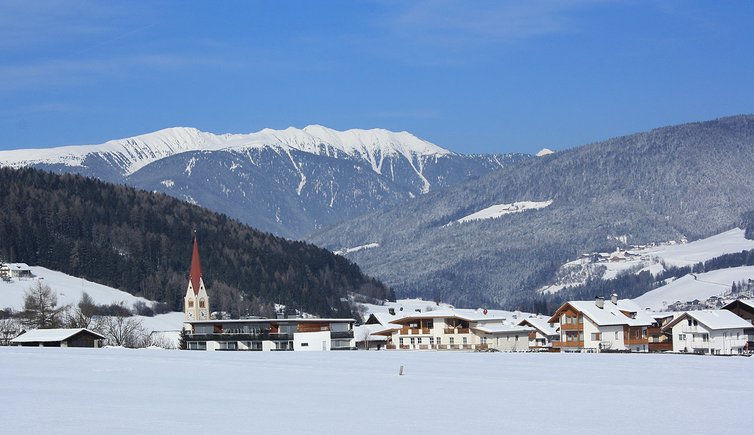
x,y
196,302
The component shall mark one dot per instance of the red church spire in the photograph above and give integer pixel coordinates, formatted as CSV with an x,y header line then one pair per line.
x,y
195,275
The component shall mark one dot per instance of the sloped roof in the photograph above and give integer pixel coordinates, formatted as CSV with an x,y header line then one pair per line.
x,y
747,302
468,315
503,329
713,319
195,274
50,335
611,314
542,325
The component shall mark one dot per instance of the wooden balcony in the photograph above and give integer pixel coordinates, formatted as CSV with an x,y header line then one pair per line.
x,y
567,344
463,330
661,347
450,331
572,326
631,341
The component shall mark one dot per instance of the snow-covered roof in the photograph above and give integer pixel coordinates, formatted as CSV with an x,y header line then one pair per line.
x,y
19,266
50,335
542,325
358,332
468,315
382,318
612,314
503,329
713,319
747,302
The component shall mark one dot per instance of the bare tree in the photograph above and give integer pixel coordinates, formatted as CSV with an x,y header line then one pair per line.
x,y
121,330
10,328
41,307
82,315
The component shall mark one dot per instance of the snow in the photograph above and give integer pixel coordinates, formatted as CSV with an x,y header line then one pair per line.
x,y
545,152
121,391
132,154
652,258
715,319
345,251
699,286
69,290
45,335
611,314
496,211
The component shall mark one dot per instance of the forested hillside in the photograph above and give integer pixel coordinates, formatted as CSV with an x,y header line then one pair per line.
x,y
692,180
141,242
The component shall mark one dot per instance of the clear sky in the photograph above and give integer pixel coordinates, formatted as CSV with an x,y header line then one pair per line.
x,y
471,76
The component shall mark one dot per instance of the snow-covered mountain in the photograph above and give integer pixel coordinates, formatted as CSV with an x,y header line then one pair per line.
x,y
691,180
289,182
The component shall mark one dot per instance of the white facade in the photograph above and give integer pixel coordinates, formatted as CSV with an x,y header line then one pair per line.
x,y
697,332
311,341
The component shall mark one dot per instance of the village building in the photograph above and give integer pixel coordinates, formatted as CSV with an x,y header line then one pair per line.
x,y
744,308
196,301
602,326
716,332
271,335
455,330
80,337
660,340
543,335
15,270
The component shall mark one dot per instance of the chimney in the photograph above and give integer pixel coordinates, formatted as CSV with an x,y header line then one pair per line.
x,y
599,301
614,298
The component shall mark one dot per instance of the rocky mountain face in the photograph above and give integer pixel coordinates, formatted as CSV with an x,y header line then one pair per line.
x,y
289,182
495,240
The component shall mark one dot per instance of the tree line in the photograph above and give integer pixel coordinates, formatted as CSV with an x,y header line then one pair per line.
x,y
141,242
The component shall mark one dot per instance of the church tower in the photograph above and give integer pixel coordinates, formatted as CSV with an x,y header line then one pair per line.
x,y
196,302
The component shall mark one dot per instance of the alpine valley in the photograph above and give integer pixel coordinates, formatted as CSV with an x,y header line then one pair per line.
x,y
472,230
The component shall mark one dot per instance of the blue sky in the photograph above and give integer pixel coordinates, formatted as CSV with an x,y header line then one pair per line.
x,y
481,76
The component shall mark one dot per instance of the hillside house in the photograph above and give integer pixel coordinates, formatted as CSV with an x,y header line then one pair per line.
x,y
599,325
59,338
717,332
543,335
20,270
271,334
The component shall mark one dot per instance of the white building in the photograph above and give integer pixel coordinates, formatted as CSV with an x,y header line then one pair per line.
x,y
544,332
271,334
718,332
455,330
599,325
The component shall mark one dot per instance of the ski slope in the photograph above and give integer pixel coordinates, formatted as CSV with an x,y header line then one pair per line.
x,y
122,391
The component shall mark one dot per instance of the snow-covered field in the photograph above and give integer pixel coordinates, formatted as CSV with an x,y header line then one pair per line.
x,y
69,290
499,210
699,286
159,391
652,258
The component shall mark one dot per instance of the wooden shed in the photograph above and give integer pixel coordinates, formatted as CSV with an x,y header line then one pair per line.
x,y
59,338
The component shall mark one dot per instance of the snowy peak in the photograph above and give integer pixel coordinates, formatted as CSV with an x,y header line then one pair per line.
x,y
545,152
131,154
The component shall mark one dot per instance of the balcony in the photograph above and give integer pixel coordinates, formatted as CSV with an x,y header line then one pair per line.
x,y
634,341
567,344
661,346
572,326
341,334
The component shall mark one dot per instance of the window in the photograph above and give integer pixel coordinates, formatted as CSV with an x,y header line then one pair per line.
x,y
596,336
439,340
452,340
400,341
465,340
191,304
681,337
304,344
419,340
412,340
581,319
568,319
431,340
201,303
689,320
705,337
616,335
